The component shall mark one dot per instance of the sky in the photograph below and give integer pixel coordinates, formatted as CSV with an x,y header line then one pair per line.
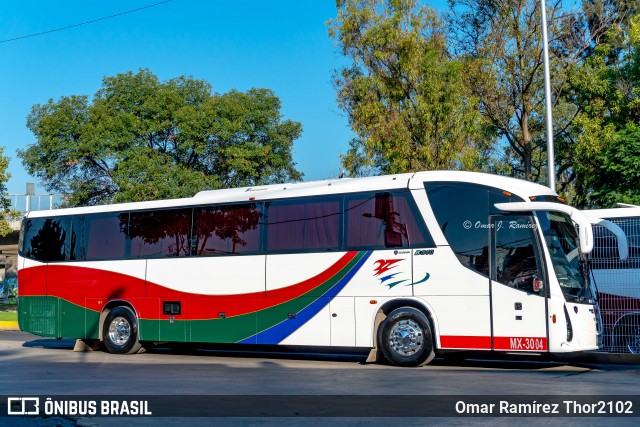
x,y
281,45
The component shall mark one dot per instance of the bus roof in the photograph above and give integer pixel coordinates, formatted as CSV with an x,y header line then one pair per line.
x,y
621,212
415,180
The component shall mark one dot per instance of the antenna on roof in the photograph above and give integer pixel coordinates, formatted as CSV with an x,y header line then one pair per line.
x,y
342,174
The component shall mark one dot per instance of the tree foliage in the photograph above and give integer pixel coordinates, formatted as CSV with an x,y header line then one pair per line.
x,y
413,88
606,88
404,97
503,43
143,139
5,203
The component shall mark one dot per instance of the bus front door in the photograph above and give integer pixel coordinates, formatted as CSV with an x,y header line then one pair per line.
x,y
518,289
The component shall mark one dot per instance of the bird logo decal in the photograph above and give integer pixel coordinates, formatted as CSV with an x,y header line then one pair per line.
x,y
382,266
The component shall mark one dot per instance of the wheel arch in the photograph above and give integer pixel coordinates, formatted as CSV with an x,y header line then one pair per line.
x,y
388,306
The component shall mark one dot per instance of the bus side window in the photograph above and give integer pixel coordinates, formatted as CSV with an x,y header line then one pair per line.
x,y
226,229
311,224
463,215
162,233
385,220
515,257
106,236
462,211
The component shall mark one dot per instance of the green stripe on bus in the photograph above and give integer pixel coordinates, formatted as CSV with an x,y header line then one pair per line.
x,y
49,316
237,328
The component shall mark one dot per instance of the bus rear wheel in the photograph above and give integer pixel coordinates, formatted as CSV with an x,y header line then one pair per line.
x,y
405,337
120,331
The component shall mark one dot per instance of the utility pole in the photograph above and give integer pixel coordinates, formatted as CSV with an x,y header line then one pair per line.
x,y
547,95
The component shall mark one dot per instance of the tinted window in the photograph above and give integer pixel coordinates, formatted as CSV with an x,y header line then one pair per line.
x,y
222,230
45,239
462,212
516,262
385,220
100,237
561,239
162,233
305,224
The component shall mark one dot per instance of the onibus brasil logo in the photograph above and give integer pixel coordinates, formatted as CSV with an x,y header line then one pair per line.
x,y
75,407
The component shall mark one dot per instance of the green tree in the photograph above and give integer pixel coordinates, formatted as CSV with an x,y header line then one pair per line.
x,y
143,139
405,98
606,89
502,42
619,173
5,203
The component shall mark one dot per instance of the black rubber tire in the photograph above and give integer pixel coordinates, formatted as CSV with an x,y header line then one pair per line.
x,y
120,331
405,337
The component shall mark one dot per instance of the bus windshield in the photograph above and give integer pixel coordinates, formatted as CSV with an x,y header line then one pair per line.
x,y
568,262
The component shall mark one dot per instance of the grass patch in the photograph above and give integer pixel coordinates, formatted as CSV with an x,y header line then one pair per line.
x,y
8,316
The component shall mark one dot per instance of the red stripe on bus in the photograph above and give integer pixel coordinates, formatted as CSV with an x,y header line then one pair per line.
x,y
520,343
80,284
465,342
499,343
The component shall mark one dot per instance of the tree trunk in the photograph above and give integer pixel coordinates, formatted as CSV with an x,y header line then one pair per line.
x,y
526,146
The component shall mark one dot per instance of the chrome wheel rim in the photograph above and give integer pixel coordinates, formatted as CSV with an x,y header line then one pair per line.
x,y
406,337
119,331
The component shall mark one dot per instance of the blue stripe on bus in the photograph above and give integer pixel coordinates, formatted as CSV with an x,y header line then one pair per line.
x,y
279,332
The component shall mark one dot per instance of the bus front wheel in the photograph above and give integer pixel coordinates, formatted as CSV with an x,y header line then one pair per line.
x,y
120,331
405,337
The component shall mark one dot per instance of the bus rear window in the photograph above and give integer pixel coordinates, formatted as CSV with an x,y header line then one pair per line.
x,y
45,239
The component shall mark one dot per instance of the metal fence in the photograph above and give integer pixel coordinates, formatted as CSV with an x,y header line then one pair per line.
x,y
35,202
24,203
618,286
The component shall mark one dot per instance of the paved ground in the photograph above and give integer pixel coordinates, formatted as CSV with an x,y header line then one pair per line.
x,y
49,367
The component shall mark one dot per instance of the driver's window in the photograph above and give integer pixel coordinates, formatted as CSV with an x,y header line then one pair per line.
x,y
515,257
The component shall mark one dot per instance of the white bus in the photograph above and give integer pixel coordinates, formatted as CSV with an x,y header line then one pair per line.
x,y
616,277
408,264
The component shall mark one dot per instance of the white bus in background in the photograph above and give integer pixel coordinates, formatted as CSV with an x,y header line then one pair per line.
x,y
410,264
618,280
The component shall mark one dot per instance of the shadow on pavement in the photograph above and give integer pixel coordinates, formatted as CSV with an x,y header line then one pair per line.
x,y
466,359
51,343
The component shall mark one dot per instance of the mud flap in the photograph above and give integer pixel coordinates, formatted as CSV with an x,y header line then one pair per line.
x,y
374,355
